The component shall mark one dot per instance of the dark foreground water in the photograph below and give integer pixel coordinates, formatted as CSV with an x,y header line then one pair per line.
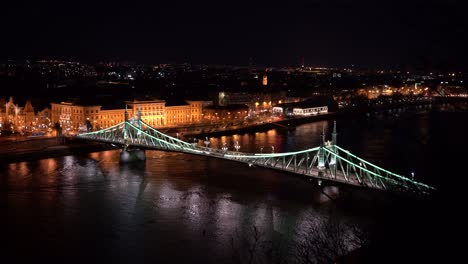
x,y
178,208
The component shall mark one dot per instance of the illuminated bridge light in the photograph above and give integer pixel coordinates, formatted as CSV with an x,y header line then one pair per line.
x,y
328,162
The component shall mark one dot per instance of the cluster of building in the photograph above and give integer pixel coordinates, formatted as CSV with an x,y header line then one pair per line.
x,y
452,90
256,102
76,117
374,92
16,118
157,113
303,108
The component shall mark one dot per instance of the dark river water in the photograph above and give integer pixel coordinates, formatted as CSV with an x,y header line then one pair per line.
x,y
178,208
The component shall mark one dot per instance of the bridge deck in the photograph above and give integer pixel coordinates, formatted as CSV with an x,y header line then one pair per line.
x,y
328,162
238,157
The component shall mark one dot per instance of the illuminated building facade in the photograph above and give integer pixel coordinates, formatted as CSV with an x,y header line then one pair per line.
x,y
10,115
257,102
152,112
72,117
265,80
29,116
303,108
310,111
159,113
233,112
43,118
177,114
16,118
110,117
196,111
384,90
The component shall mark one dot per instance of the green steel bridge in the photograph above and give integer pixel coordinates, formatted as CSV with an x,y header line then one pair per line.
x,y
327,162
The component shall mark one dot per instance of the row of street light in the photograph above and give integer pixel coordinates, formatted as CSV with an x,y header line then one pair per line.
x,y
225,145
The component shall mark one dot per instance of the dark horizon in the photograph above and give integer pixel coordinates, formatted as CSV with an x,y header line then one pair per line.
x,y
341,33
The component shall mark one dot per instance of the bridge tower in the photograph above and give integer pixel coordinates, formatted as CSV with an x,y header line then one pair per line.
x,y
139,117
334,134
125,129
321,155
127,155
333,164
333,143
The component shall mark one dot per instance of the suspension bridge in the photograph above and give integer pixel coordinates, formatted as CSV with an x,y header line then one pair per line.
x,y
326,162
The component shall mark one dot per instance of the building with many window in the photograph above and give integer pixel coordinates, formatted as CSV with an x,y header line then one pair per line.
x,y
24,119
303,108
229,113
161,113
72,117
156,113
152,112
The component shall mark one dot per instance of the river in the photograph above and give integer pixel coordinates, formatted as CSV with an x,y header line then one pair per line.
x,y
190,209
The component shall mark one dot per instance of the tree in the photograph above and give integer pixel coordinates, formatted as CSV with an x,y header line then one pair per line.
x,y
319,241
58,128
89,126
254,247
325,241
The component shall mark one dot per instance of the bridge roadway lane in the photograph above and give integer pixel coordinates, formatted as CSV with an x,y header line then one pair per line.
x,y
314,173
237,156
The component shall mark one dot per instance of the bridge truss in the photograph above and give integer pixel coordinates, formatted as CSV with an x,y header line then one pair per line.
x,y
327,162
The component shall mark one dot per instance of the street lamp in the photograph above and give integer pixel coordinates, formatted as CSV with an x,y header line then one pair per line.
x,y
237,146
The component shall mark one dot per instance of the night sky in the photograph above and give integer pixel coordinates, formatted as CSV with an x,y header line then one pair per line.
x,y
384,33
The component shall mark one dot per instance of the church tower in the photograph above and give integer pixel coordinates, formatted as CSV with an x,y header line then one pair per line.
x,y
265,79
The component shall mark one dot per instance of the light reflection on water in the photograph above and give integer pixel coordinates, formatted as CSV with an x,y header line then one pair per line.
x,y
175,201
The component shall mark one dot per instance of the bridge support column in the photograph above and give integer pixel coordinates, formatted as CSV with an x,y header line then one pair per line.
x,y
321,156
140,154
127,156
124,156
333,164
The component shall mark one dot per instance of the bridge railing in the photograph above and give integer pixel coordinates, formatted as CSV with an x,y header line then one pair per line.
x,y
374,169
331,161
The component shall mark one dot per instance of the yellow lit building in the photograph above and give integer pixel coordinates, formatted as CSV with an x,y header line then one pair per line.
x,y
384,90
177,114
72,117
152,112
159,113
29,116
156,113
265,80
25,119
110,117
196,109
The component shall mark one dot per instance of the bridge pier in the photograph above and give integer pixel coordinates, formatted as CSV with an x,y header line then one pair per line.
x,y
127,156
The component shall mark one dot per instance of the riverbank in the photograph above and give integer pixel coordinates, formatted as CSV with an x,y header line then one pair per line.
x,y
17,149
45,149
291,123
284,124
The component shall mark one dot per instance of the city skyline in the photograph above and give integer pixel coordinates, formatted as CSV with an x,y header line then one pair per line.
x,y
300,131
418,34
